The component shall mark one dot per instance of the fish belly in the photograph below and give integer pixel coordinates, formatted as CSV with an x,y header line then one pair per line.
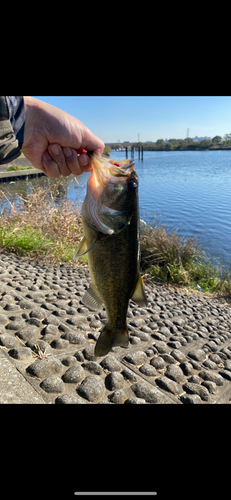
x,y
114,272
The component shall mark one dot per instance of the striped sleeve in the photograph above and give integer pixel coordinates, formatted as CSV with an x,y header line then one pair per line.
x,y
12,121
17,116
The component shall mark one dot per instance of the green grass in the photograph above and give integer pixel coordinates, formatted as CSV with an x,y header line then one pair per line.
x,y
31,241
14,168
24,240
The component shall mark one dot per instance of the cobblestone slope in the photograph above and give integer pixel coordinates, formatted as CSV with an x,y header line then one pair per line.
x,y
179,350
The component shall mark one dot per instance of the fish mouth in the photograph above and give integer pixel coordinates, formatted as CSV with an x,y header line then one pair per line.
x,y
121,167
111,192
103,169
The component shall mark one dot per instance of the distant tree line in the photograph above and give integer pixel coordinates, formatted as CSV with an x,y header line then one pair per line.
x,y
216,142
107,150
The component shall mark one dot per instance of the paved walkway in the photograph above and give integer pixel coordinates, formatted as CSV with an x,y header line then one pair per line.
x,y
179,350
14,388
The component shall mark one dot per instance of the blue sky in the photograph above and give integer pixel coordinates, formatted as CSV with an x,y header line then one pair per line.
x,y
113,118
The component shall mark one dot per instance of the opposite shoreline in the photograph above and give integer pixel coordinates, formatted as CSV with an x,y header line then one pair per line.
x,y
175,149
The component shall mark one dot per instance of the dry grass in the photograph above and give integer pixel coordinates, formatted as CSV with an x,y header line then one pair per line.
x,y
40,227
165,256
167,251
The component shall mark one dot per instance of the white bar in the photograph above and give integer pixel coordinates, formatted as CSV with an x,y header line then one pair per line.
x,y
115,493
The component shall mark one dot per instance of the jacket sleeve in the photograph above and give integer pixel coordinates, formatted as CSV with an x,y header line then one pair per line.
x,y
12,122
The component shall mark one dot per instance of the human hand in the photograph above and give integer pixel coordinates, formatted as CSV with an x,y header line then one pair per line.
x,y
56,142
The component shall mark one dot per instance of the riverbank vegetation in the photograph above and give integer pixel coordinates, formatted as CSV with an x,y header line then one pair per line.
x,y
45,224
42,224
168,257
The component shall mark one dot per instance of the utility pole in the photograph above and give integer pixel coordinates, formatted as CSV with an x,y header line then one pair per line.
x,y
138,137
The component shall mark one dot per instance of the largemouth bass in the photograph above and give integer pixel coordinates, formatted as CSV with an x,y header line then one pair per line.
x,y
110,217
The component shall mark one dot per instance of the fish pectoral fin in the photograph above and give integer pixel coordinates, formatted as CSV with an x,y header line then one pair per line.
x,y
109,338
90,299
82,248
139,294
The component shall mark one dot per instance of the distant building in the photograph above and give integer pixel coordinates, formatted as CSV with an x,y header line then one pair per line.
x,y
199,139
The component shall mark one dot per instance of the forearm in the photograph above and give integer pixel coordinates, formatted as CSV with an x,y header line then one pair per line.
x,y
12,121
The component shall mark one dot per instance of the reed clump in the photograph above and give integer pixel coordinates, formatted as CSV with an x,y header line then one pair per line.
x,y
168,257
38,226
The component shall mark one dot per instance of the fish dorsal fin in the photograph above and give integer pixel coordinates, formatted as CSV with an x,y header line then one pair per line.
x,y
82,248
91,299
139,294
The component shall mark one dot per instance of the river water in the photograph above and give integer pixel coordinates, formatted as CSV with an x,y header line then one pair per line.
x,y
190,191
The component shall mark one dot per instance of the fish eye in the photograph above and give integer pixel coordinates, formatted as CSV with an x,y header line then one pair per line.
x,y
131,186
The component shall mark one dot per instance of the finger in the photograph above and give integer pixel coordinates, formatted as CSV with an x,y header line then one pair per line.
x,y
50,168
57,155
85,163
77,164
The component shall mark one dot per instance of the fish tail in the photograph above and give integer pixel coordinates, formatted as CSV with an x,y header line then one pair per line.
x,y
109,338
